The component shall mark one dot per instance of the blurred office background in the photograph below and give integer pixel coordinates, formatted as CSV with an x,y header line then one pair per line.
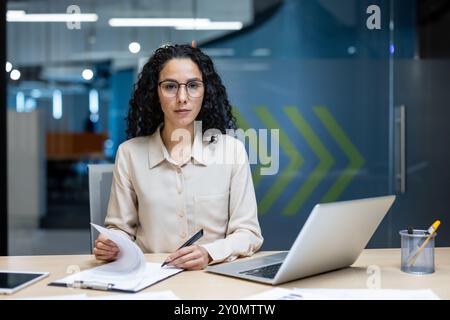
x,y
362,112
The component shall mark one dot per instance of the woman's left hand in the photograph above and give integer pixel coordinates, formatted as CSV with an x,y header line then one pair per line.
x,y
190,258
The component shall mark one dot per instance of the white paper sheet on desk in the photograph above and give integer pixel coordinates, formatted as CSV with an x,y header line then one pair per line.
x,y
344,294
276,294
158,295
128,272
61,297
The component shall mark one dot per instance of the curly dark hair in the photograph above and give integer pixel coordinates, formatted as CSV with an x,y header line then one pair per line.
x,y
145,113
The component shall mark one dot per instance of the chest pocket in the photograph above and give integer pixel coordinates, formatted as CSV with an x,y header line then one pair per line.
x,y
211,215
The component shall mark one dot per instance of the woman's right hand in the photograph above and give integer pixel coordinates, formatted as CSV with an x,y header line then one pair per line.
x,y
105,249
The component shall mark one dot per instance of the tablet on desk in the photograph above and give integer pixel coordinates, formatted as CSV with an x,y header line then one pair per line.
x,y
12,281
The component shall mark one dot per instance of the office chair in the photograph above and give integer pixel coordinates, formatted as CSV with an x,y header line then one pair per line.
x,y
100,180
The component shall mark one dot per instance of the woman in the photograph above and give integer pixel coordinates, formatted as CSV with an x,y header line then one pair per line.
x,y
171,178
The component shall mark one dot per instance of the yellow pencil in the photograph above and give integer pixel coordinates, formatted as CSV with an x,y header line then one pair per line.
x,y
432,231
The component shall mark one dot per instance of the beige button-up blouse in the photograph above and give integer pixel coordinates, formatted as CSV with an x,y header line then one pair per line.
x,y
160,204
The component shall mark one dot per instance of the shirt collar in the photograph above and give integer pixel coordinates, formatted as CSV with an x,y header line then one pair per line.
x,y
157,151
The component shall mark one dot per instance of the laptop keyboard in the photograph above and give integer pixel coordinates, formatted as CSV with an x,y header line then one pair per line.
x,y
264,272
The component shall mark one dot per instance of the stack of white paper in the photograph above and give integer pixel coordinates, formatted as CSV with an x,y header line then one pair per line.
x,y
129,272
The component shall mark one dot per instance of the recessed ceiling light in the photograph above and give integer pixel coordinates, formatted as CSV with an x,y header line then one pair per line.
x,y
15,74
8,66
87,74
134,47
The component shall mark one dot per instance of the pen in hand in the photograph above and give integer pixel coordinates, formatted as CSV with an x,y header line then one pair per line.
x,y
191,241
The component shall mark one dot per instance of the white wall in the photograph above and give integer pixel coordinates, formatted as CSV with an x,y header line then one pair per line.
x,y
26,168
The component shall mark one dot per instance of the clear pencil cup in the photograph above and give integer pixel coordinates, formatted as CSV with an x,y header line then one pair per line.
x,y
417,253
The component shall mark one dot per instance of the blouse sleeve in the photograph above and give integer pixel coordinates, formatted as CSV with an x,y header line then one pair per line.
x,y
243,236
122,208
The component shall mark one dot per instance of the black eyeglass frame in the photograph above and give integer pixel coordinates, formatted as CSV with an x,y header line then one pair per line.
x,y
185,84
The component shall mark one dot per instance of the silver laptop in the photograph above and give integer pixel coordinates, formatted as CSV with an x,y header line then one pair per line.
x,y
332,238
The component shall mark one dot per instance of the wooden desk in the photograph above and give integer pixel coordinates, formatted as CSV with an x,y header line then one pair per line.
x,y
186,284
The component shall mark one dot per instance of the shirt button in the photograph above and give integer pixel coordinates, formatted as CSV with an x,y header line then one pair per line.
x,y
183,235
178,170
180,214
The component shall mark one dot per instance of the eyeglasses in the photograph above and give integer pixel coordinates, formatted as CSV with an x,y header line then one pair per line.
x,y
169,88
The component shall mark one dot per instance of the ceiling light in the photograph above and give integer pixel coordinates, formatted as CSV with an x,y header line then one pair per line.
x,y
87,74
134,47
20,102
15,74
212,25
51,17
93,101
15,13
154,22
57,104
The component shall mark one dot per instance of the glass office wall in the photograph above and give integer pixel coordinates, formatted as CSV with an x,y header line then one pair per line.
x,y
330,75
421,83
316,72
